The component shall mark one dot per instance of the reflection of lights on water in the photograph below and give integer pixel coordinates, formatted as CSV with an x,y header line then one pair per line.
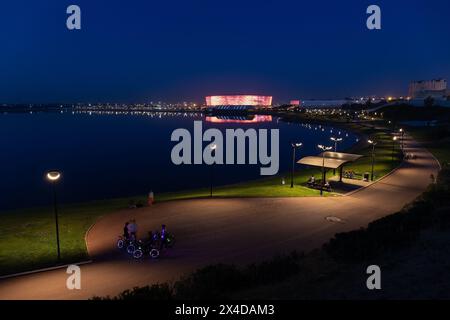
x,y
200,115
255,119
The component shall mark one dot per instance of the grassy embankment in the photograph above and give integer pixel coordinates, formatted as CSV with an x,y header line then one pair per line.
x,y
27,237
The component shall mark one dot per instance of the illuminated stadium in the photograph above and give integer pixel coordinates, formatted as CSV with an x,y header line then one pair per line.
x,y
238,102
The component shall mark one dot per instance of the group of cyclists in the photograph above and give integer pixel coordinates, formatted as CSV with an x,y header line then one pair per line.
x,y
157,237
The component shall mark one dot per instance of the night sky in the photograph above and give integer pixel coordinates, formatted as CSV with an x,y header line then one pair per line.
x,y
137,51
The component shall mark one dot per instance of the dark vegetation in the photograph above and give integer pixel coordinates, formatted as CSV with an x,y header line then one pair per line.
x,y
405,112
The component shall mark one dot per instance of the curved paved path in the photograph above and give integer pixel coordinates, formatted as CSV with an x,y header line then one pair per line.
x,y
225,230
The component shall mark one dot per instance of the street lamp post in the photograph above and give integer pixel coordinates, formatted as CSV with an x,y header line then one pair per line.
x,y
402,133
53,176
394,138
324,149
294,147
213,148
373,143
336,140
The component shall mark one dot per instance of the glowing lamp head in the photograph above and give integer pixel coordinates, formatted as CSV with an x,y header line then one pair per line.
x,y
297,145
336,139
394,138
53,176
324,148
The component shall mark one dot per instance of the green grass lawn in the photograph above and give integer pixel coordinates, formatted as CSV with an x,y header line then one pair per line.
x,y
436,141
28,241
27,237
386,157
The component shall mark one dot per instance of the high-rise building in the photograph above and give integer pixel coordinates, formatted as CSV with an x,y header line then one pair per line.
x,y
435,88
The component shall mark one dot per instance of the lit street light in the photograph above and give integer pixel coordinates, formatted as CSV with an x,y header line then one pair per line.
x,y
394,138
213,148
294,147
53,176
324,149
402,133
373,143
336,140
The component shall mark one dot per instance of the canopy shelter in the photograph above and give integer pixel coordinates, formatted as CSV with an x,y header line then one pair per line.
x,y
348,157
330,160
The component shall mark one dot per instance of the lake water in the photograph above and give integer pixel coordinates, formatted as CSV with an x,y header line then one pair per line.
x,y
113,155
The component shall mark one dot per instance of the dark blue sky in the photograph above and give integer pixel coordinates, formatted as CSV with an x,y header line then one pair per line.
x,y
142,50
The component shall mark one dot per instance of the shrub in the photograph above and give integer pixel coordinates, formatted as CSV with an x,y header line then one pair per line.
x,y
154,292
215,282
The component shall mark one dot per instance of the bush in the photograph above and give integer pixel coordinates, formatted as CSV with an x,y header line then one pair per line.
x,y
215,282
274,270
210,282
155,292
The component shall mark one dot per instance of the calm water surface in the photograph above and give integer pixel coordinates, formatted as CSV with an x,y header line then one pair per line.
x,y
104,156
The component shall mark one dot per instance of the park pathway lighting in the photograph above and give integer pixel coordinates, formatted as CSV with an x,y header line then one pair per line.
x,y
402,132
213,147
336,140
294,147
373,143
324,149
53,176
394,138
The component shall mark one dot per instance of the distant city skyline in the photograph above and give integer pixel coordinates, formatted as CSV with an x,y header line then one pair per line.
x,y
181,51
